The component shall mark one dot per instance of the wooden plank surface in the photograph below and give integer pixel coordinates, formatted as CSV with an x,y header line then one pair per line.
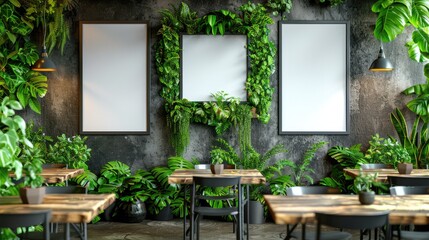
x,y
300,209
58,175
185,176
384,172
66,208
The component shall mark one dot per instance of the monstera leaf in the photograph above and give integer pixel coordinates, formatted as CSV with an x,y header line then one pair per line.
x,y
420,13
392,19
28,91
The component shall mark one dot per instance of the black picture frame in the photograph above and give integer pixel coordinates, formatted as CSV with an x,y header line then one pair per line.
x,y
114,77
314,58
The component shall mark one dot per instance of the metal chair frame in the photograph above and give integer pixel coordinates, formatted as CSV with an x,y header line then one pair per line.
x,y
27,219
197,212
361,221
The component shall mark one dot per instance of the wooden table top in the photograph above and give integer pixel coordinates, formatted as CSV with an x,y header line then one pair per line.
x,y
185,176
66,208
409,209
57,175
384,172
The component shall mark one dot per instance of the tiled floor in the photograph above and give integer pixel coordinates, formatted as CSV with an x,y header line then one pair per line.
x,y
171,230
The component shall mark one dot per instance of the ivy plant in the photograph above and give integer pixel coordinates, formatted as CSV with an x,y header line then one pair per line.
x,y
280,7
252,21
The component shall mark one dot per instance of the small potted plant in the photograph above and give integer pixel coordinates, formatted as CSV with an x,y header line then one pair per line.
x,y
363,184
217,156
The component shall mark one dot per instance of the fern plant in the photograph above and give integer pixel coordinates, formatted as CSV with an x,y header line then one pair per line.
x,y
58,19
301,171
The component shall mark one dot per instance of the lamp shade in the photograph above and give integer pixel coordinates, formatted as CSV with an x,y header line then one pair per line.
x,y
381,64
44,64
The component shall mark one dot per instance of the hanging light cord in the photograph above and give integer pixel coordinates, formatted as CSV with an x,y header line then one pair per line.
x,y
44,25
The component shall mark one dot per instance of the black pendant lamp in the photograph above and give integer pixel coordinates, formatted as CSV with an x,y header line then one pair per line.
x,y
381,64
44,64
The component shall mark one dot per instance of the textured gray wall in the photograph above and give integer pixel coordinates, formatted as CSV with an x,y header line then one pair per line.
x,y
372,95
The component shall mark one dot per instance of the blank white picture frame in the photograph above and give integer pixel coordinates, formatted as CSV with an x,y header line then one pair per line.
x,y
213,63
314,77
115,73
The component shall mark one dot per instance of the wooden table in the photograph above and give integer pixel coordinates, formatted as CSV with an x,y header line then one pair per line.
x,y
57,175
185,176
384,172
408,209
66,208
248,176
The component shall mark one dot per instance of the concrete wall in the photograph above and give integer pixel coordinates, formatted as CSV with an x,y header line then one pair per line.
x,y
373,96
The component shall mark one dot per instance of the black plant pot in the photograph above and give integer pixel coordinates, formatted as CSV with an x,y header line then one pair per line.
x,y
129,212
107,214
366,198
164,215
256,212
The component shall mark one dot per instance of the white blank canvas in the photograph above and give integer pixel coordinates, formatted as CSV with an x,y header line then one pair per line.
x,y
213,63
314,78
114,77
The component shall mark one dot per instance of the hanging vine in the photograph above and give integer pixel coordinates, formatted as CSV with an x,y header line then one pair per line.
x,y
252,21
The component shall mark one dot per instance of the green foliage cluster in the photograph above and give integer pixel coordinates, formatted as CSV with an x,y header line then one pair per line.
x,y
151,186
332,2
280,7
57,19
366,182
16,149
253,22
179,120
386,151
249,158
344,157
74,152
416,141
301,170
17,54
116,178
381,150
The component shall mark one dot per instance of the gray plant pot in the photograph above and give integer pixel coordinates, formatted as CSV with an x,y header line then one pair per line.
x,y
32,195
366,198
216,168
405,168
256,212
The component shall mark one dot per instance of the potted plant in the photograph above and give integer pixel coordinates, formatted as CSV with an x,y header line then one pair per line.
x,y
162,194
131,190
32,191
133,193
363,184
389,151
74,152
217,157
